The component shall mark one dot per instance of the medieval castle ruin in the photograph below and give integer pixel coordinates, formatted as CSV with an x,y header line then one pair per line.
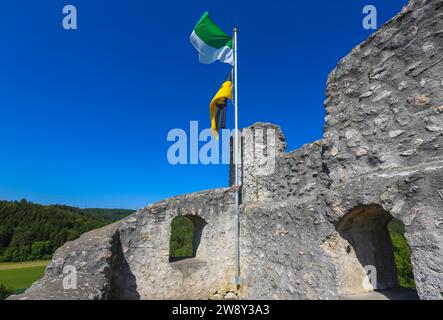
x,y
312,224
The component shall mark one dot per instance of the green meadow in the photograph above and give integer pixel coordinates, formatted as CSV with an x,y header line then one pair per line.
x,y
20,276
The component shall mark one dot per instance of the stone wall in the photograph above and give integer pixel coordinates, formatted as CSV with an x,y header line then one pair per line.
x,y
381,149
410,195
145,242
385,99
281,250
312,219
384,132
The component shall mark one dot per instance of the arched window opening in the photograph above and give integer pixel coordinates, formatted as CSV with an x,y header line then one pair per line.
x,y
186,232
377,256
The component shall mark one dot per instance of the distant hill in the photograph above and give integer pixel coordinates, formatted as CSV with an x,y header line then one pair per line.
x,y
110,215
30,231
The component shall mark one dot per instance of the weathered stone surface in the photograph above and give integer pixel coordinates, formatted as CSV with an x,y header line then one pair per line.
x,y
92,256
145,241
401,66
313,219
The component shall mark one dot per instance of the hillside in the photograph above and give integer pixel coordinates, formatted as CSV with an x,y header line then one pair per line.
x,y
30,231
111,215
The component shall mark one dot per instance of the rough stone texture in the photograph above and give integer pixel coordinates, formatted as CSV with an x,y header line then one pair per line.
x,y
383,133
382,98
145,242
92,255
311,219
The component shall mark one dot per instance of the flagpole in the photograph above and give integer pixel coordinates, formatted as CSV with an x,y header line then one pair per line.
x,y
237,185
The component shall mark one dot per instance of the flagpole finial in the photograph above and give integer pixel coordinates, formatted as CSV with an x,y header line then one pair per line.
x,y
235,29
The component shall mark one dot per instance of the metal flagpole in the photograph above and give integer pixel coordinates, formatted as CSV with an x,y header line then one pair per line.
x,y
237,185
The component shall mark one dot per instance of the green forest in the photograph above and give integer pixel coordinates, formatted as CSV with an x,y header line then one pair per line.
x,y
109,215
30,231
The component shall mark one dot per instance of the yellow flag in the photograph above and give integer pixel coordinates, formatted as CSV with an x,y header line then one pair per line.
x,y
218,105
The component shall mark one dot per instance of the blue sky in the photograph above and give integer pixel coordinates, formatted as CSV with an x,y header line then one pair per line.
x,y
84,114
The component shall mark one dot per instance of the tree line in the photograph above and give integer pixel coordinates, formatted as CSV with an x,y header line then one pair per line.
x,y
30,231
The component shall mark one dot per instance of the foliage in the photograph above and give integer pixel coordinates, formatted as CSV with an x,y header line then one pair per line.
x,y
4,293
402,254
30,231
182,233
111,215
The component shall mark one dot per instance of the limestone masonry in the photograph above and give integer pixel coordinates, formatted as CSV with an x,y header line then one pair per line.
x,y
313,218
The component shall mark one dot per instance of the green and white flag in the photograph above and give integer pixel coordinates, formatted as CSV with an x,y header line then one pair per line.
x,y
211,42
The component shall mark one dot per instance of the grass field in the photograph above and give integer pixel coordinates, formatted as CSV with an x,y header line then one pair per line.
x,y
19,276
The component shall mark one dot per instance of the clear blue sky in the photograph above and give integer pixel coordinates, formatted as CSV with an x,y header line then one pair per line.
x,y
85,114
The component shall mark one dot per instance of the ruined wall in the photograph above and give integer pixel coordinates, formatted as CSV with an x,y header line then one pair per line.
x,y
384,132
385,99
145,242
410,196
92,256
311,219
282,221
381,149
130,259
269,173
281,251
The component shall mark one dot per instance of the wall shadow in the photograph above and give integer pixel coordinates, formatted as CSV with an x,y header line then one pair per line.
x,y
123,284
365,228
